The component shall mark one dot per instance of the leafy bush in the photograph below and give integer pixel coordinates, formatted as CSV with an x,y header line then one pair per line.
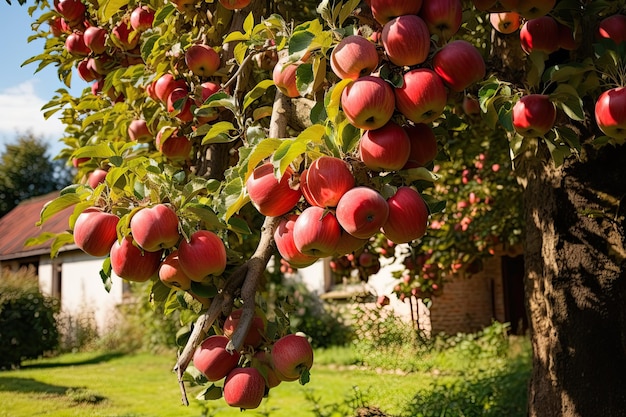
x,y
78,332
28,326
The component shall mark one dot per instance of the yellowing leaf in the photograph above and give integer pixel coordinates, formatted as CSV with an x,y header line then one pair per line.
x,y
332,109
109,7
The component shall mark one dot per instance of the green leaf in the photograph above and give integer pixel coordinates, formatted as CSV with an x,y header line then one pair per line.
x,y
203,290
334,102
256,93
57,205
109,7
219,133
346,10
566,98
105,274
204,213
248,24
212,392
239,226
305,78
419,174
239,52
236,37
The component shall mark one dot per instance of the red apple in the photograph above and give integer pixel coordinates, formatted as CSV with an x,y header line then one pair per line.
x,y
58,26
354,57
255,333
385,149
141,18
470,105
326,180
408,216
124,36
96,177
292,355
175,146
406,40
165,84
368,102
541,34
77,162
505,22
348,243
101,64
75,44
234,4
95,231
172,275
244,388
263,362
422,96
213,360
459,64
443,17
362,211
610,112
139,132
283,237
71,10
202,60
133,264
385,10
284,76
85,72
95,38
423,145
204,254
567,38
179,104
203,92
155,227
534,115
613,27
532,9
270,196
316,232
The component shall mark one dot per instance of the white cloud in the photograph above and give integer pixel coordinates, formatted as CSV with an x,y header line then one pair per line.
x,y
20,111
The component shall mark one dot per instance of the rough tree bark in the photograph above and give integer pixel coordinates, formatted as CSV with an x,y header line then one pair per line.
x,y
576,284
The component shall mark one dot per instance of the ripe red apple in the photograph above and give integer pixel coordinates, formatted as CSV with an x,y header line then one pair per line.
x,y
71,10
155,227
75,44
385,10
255,333
213,360
459,64
406,40
95,231
348,243
172,275
263,362
505,22
202,60
165,84
283,237
203,92
270,196
84,72
179,104
133,264
385,149
95,38
204,254
244,388
443,17
141,18
534,115
610,112
175,146
292,355
58,26
325,181
362,211
541,34
368,102
354,57
408,216
422,96
124,36
101,64
96,177
139,132
532,9
77,162
567,38
316,232
613,27
234,4
423,145
284,76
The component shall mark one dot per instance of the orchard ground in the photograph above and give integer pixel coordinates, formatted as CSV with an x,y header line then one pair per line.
x,y
482,373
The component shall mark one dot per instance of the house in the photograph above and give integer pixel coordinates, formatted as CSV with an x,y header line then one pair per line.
x,y
73,276
468,302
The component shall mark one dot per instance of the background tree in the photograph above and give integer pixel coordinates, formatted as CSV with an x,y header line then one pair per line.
x,y
27,170
172,129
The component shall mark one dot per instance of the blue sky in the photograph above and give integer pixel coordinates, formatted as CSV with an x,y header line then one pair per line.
x,y
22,92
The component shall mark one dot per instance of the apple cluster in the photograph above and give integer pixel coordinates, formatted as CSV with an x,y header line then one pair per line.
x,y
421,278
247,376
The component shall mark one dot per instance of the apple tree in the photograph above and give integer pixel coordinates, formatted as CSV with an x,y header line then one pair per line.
x,y
215,134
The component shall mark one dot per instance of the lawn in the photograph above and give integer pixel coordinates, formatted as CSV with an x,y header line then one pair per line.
x,y
101,384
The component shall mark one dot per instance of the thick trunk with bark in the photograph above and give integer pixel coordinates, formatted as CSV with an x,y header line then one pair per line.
x,y
576,284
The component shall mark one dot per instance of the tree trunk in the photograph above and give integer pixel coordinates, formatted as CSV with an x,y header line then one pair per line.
x,y
576,284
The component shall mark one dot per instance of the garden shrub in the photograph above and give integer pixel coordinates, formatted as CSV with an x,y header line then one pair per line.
x,y
28,326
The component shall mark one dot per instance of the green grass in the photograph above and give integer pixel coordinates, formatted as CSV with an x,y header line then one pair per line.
x,y
96,384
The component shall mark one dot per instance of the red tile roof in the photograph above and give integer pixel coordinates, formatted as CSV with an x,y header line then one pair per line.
x,y
20,224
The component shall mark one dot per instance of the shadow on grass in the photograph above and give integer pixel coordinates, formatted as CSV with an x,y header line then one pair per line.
x,y
104,357
480,393
30,385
